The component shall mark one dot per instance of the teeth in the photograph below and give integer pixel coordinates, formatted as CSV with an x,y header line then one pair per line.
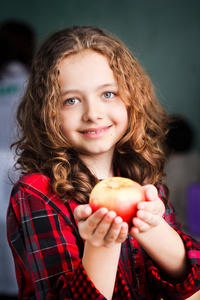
x,y
94,131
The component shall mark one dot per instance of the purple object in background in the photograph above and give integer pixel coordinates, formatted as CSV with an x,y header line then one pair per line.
x,y
193,208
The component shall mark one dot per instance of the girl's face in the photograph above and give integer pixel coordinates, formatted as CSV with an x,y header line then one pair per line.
x,y
93,117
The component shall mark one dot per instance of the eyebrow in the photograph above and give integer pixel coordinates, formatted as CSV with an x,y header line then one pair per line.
x,y
100,87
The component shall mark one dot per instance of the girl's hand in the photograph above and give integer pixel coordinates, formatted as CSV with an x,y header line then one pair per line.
x,y
102,228
149,212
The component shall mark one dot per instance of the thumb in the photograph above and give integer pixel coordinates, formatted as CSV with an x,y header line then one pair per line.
x,y
82,212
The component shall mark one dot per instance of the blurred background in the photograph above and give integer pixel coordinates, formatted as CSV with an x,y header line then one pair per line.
x,y
163,34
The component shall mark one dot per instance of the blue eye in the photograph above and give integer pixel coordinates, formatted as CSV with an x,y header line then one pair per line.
x,y
71,101
108,95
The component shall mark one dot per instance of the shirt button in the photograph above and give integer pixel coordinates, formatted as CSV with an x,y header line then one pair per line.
x,y
137,270
135,250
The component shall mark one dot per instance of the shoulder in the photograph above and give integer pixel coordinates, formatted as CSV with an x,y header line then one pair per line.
x,y
34,191
33,179
36,188
33,182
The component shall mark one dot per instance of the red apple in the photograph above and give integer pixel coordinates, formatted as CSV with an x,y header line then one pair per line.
x,y
117,194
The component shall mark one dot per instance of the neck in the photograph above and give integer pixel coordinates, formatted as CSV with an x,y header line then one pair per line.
x,y
101,166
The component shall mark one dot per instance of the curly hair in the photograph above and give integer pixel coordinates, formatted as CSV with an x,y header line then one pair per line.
x,y
41,146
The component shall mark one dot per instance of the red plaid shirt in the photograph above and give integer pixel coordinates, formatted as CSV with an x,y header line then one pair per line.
x,y
48,249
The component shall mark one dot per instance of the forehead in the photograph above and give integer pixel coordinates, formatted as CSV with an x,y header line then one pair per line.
x,y
84,57
85,68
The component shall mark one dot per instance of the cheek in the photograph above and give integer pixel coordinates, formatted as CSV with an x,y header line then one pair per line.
x,y
121,116
66,126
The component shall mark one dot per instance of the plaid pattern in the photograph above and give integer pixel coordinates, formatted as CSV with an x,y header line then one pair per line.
x,y
47,250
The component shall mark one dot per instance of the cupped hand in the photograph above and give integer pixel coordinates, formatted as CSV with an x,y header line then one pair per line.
x,y
101,228
149,213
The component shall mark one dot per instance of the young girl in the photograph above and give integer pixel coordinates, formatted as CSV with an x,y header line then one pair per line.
x,y
90,113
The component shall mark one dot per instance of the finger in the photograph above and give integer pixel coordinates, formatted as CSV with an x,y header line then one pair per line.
x,y
104,226
149,187
123,233
140,225
113,231
151,192
149,218
82,212
148,206
93,221
133,231
155,207
97,236
88,227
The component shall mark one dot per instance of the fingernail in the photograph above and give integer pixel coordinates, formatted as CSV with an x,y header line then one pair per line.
x,y
104,210
118,220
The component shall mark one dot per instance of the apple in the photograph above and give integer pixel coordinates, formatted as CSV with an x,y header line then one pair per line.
x,y
118,194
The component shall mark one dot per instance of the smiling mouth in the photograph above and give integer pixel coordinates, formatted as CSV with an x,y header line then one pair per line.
x,y
95,131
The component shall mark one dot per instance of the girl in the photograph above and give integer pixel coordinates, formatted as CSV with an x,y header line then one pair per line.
x,y
90,113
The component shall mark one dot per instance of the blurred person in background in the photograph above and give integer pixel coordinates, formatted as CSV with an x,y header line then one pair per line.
x,y
17,45
183,165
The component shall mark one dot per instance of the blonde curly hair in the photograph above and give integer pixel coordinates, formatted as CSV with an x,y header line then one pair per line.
x,y
41,145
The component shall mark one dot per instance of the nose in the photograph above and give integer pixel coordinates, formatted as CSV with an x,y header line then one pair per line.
x,y
92,111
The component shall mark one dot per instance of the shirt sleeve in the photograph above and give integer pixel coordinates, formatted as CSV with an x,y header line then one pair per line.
x,y
47,248
191,284
75,285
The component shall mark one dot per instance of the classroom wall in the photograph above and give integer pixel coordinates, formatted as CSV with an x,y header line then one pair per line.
x,y
164,34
